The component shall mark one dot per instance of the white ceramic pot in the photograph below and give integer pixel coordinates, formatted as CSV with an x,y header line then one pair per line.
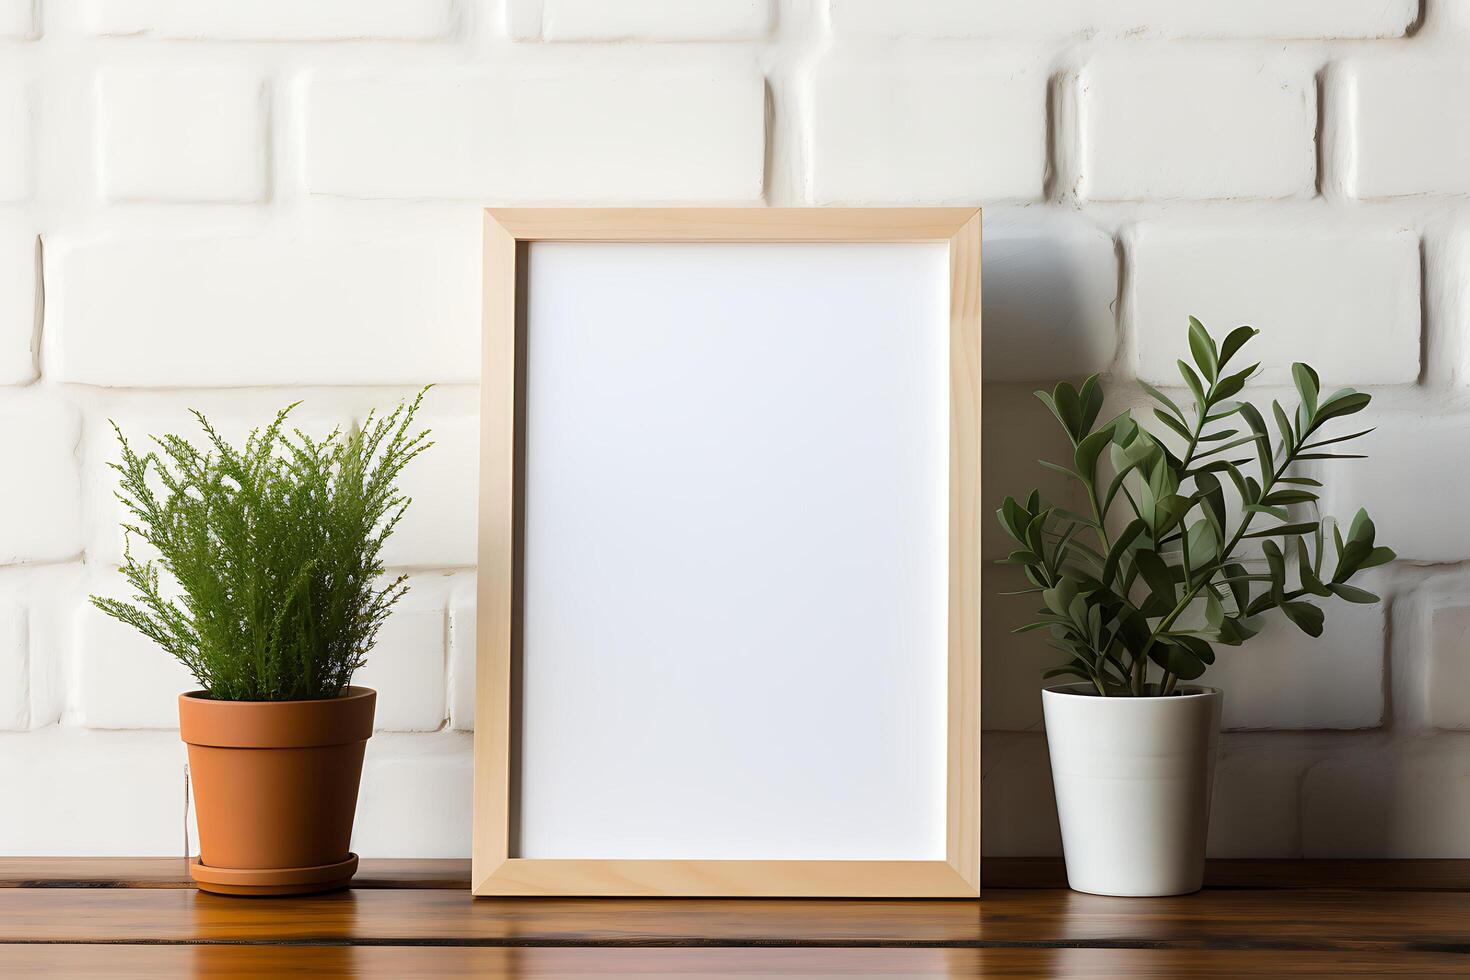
x,y
1133,778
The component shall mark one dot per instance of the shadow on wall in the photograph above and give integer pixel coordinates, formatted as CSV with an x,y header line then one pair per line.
x,y
1048,303
1048,299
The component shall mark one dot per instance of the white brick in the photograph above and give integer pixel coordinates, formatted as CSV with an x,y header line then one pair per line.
x,y
17,149
417,797
1448,677
182,135
1019,431
1408,127
15,667
917,130
406,667
40,502
1019,818
1285,679
1197,127
75,792
1255,809
124,679
1132,18
285,20
259,311
18,18
1405,800
642,20
462,652
1410,484
1011,668
441,526
1349,306
665,135
17,307
1049,299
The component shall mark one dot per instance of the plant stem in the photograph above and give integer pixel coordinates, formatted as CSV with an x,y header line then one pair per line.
x,y
1193,592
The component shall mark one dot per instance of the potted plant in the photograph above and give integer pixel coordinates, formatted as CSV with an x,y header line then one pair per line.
x,y
275,553
1139,590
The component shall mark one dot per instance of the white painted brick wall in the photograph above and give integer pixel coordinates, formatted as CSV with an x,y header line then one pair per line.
x,y
1447,681
193,135
15,667
1348,304
1401,111
280,311
1410,486
40,502
651,20
630,135
245,204
1285,679
462,640
442,524
406,667
928,132
273,20
1050,290
17,18
17,307
1134,18
90,792
1196,126
123,680
17,122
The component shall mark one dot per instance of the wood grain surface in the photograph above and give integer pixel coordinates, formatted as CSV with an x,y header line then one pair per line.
x,y
1036,872
1304,919
82,917
149,962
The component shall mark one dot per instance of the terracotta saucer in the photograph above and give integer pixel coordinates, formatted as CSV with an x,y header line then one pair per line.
x,y
273,881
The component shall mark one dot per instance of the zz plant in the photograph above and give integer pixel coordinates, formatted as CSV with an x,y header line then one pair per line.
x,y
276,549
1139,590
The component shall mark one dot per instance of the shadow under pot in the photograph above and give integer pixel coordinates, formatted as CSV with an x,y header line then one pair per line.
x,y
275,790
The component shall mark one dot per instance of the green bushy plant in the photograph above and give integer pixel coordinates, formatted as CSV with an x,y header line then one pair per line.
x,y
276,549
1148,581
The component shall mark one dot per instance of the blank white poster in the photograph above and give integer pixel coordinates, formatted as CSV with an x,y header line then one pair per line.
x,y
736,547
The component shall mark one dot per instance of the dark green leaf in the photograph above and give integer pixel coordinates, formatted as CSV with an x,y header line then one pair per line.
x,y
1340,405
1307,386
1163,399
1329,442
1202,346
1174,424
1283,424
1201,545
1156,574
1306,616
1304,527
1195,385
1278,498
1091,400
1120,548
1263,447
1234,341
1352,593
1089,449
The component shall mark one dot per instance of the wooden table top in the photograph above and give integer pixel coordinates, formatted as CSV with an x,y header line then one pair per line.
x,y
138,917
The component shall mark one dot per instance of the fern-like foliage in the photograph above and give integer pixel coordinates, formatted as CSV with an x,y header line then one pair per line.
x,y
276,549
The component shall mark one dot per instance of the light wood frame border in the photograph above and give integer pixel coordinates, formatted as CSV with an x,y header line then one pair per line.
x,y
494,871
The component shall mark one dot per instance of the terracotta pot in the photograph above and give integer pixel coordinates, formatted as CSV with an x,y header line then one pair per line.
x,y
275,787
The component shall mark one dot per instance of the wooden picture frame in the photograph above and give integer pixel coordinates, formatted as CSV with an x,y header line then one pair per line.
x,y
496,871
